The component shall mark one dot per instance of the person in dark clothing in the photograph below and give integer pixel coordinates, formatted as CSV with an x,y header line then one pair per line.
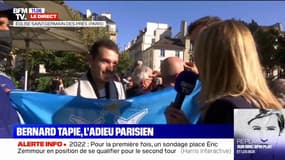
x,y
8,115
56,85
230,72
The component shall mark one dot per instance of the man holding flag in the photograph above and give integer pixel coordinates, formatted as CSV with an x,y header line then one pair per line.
x,y
104,107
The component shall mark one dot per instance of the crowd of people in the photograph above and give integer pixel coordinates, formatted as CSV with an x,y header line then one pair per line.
x,y
225,58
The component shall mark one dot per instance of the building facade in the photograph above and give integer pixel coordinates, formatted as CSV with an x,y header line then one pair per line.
x,y
154,44
182,35
111,26
152,33
165,47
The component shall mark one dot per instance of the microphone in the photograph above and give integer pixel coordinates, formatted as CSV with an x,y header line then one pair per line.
x,y
184,85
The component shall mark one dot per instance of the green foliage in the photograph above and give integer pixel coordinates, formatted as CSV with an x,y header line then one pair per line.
x,y
43,84
253,26
281,52
266,42
270,43
56,61
90,35
125,64
66,63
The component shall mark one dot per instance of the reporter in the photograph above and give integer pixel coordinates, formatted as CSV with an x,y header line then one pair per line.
x,y
230,72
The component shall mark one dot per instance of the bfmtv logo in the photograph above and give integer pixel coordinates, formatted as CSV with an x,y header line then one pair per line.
x,y
22,13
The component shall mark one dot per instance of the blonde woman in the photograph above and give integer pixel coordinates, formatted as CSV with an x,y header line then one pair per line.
x,y
230,72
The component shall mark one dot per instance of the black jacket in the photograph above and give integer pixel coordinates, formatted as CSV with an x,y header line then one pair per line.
x,y
221,111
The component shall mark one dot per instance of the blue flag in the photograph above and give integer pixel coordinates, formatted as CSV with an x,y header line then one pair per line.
x,y
44,108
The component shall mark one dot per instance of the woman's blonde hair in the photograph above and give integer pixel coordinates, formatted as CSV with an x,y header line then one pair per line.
x,y
228,64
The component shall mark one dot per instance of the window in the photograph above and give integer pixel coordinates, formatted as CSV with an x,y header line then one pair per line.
x,y
162,52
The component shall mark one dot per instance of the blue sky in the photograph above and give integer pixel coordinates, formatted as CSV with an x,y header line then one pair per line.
x,y
132,16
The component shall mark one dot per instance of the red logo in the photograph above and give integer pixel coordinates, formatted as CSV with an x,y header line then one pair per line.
x,y
43,16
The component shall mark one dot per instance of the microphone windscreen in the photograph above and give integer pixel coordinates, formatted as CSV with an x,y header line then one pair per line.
x,y
185,82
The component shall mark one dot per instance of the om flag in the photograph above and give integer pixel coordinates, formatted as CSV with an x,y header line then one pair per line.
x,y
44,108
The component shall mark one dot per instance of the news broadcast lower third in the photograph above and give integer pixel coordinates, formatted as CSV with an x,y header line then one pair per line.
x,y
120,141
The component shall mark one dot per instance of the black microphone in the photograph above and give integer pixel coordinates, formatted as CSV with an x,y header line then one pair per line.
x,y
184,85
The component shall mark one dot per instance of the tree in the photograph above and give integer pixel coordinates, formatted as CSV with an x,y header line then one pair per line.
x,y
253,26
281,53
58,61
125,63
266,42
90,35
270,46
67,63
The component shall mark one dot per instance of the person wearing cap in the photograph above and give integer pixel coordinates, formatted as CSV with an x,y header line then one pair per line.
x,y
8,115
